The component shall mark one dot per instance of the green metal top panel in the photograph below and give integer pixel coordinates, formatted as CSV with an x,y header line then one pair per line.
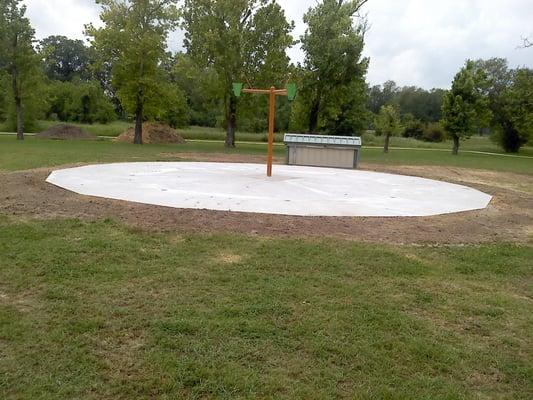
x,y
297,138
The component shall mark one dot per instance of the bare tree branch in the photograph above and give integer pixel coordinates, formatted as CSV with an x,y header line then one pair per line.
x,y
525,43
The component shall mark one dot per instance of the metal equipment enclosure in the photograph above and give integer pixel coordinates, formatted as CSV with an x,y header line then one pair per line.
x,y
322,150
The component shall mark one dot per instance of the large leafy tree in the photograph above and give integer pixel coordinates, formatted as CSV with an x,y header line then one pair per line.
x,y
65,59
333,44
18,60
133,41
516,115
348,115
388,124
465,106
242,41
509,95
202,88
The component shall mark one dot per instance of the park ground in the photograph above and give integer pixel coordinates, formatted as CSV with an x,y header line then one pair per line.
x,y
108,299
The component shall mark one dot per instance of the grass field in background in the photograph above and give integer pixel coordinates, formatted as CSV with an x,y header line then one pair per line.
x,y
477,143
34,153
97,310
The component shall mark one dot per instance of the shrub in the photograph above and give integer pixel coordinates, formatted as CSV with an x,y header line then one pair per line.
x,y
414,129
434,133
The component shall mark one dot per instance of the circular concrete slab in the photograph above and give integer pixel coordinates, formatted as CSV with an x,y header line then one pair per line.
x,y
293,190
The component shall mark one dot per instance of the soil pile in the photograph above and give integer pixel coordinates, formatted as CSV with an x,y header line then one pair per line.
x,y
153,132
64,132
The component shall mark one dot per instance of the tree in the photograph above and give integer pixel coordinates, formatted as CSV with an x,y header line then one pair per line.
x,y
422,104
465,106
202,89
65,59
77,101
3,90
380,95
412,127
516,115
18,59
388,124
507,92
333,45
242,40
134,40
348,115
526,43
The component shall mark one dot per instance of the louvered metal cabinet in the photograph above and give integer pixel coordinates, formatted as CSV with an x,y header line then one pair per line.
x,y
322,150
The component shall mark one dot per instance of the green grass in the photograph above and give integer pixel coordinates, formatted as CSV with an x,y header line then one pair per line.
x,y
205,133
475,143
444,158
97,310
115,128
34,153
112,129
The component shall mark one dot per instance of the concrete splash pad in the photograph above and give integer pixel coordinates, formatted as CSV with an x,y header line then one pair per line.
x,y
293,190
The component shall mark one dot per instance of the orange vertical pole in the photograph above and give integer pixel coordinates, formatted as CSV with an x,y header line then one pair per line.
x,y
271,115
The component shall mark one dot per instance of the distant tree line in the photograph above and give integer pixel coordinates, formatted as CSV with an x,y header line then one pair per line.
x,y
124,70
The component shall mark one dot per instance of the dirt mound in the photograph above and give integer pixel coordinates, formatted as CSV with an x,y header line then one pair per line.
x,y
153,132
65,131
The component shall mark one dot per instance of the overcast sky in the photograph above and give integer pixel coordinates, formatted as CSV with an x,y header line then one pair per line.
x,y
413,42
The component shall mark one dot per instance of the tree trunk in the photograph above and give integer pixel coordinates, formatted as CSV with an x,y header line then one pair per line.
x,y
455,150
231,122
387,141
20,119
139,116
313,115
139,112
18,106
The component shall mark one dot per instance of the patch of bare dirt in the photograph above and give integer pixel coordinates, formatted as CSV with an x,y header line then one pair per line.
x,y
153,132
229,258
509,217
65,132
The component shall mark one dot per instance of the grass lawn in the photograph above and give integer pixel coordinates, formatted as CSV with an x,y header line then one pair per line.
x,y
95,310
99,310
112,129
33,153
475,143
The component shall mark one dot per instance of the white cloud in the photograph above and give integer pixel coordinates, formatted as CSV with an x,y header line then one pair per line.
x,y
61,17
414,42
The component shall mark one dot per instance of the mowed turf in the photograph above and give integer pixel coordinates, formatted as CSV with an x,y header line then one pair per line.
x,y
35,153
96,310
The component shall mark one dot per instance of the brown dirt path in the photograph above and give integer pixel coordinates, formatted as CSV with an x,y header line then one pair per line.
x,y
509,217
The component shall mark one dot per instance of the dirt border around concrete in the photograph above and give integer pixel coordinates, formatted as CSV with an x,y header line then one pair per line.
x,y
509,217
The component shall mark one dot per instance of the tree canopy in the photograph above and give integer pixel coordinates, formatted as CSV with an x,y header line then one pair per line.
x,y
242,41
133,39
509,95
20,65
64,59
388,124
334,69
465,106
424,105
